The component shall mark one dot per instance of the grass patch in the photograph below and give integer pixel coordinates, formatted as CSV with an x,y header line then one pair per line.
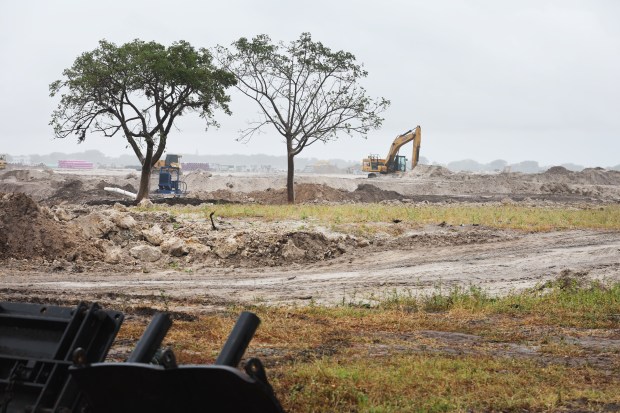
x,y
452,350
567,301
436,383
503,216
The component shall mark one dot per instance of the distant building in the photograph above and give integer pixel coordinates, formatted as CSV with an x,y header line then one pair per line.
x,y
75,164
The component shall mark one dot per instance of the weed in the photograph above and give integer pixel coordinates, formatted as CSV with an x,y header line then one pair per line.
x,y
164,298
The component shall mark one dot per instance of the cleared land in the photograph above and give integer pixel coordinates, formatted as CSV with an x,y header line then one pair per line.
x,y
432,291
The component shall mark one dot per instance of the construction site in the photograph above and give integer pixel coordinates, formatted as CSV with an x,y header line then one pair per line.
x,y
269,207
349,242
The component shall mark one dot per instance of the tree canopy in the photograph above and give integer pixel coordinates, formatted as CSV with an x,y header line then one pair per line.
x,y
138,89
306,91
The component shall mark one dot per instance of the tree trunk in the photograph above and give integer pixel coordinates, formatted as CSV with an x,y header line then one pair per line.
x,y
145,176
290,181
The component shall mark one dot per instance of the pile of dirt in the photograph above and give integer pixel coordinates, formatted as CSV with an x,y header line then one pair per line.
x,y
250,248
315,192
26,232
75,191
450,237
429,171
371,193
599,176
68,191
555,188
558,170
306,193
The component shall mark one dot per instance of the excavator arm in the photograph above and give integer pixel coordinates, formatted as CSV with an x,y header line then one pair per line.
x,y
417,141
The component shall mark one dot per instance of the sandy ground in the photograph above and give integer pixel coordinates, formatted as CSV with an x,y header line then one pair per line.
x,y
103,257
501,266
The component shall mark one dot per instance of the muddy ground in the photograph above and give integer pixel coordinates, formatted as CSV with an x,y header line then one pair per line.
x,y
62,236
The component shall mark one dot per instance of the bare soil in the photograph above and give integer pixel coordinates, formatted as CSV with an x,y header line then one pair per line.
x,y
62,236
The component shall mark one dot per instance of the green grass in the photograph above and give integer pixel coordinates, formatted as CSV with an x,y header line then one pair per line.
x,y
564,302
359,358
496,216
437,383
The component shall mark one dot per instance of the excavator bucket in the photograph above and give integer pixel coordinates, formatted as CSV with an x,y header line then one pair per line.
x,y
51,360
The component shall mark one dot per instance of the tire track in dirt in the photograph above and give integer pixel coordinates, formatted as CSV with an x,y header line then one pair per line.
x,y
498,267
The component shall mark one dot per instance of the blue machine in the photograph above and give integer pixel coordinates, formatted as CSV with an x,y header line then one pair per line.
x,y
170,182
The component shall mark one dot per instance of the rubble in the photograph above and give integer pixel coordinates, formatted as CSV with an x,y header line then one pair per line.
x,y
146,253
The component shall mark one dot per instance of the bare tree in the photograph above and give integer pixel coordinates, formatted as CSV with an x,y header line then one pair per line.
x,y
307,92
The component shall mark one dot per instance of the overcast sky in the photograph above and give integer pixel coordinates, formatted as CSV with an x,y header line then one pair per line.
x,y
486,79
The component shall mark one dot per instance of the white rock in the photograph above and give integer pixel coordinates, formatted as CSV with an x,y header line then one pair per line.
x,y
95,225
154,235
122,220
113,256
174,246
227,248
146,253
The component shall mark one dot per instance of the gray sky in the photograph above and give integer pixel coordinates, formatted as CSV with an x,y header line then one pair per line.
x,y
486,79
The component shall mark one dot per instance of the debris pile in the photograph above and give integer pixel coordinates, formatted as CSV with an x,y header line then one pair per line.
x,y
27,232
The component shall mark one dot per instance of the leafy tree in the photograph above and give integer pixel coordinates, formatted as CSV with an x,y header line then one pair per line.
x,y
306,91
138,90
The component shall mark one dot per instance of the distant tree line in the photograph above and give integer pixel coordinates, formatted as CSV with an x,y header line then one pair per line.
x,y
280,162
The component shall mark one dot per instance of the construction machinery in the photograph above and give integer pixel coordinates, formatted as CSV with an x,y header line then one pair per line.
x,y
172,160
2,161
52,360
170,176
394,162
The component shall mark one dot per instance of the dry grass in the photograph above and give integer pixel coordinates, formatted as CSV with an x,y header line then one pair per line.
x,y
457,351
502,216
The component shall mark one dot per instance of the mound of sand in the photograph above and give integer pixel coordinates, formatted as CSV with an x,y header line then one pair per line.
x,y
306,193
27,232
429,171
558,170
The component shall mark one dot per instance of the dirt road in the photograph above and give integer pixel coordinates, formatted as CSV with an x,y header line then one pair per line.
x,y
511,261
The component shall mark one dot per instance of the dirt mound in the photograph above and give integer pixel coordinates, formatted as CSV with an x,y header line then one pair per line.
x,y
69,190
250,249
315,192
26,175
599,176
452,237
555,188
304,193
371,193
429,171
76,191
558,170
26,232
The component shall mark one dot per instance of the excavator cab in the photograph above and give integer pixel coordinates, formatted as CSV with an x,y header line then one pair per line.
x,y
400,164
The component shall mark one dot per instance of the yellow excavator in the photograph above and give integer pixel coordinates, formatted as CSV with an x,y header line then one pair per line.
x,y
394,162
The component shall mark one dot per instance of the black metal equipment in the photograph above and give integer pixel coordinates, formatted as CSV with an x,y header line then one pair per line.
x,y
149,381
170,182
37,344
